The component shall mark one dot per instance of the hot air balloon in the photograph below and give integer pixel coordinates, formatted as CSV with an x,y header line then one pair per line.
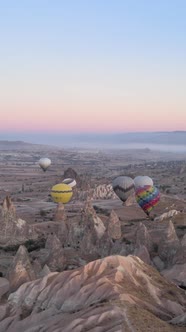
x,y
147,197
123,186
61,193
71,182
142,181
44,163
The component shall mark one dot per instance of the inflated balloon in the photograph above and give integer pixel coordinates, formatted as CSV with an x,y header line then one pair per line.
x,y
147,197
123,186
61,193
141,181
71,182
44,163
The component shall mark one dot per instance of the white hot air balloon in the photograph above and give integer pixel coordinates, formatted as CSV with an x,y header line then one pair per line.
x,y
44,163
71,182
123,186
142,181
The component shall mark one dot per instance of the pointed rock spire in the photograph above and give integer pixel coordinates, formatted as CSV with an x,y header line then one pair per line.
x,y
60,214
114,226
8,209
143,237
45,271
21,269
56,260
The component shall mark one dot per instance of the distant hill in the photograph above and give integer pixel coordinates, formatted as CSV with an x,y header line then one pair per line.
x,y
176,137
20,145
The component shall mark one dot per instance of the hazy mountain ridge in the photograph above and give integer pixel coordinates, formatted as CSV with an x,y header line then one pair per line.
x,y
21,145
150,137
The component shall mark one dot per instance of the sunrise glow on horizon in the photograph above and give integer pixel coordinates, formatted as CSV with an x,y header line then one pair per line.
x,y
92,66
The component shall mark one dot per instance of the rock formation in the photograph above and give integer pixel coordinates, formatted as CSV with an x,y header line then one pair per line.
x,y
13,229
143,237
104,191
21,269
169,244
167,215
56,260
114,226
8,209
4,286
60,214
112,294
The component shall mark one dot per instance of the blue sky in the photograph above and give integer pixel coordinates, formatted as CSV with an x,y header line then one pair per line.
x,y
81,65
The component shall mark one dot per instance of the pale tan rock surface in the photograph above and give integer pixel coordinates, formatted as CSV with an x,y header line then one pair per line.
x,y
111,294
60,214
56,259
20,270
114,226
104,191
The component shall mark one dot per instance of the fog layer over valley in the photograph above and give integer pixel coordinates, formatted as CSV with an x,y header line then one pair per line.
x,y
161,141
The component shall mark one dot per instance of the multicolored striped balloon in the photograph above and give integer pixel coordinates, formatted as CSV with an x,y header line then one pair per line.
x,y
147,197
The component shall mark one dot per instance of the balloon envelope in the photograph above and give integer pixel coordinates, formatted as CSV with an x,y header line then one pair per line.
x,y
61,193
147,197
44,163
71,182
123,186
141,181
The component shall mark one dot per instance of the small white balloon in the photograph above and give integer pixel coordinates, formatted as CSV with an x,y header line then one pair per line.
x,y
44,163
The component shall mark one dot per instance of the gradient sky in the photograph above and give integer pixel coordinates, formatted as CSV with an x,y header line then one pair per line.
x,y
92,65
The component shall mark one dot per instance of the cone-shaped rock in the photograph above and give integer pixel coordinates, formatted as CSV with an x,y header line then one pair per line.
x,y
143,254
143,237
60,214
37,267
169,244
56,260
21,269
131,200
114,226
8,209
45,271
88,209
93,233
158,263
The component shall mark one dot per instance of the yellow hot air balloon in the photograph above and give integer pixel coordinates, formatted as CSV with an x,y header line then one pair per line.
x,y
61,193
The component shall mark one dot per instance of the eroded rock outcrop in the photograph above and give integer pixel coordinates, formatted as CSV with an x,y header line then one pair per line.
x,y
104,191
21,269
60,214
56,259
114,226
167,215
13,229
143,237
4,286
112,294
169,244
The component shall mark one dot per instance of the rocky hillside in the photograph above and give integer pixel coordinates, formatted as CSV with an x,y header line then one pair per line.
x,y
112,294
